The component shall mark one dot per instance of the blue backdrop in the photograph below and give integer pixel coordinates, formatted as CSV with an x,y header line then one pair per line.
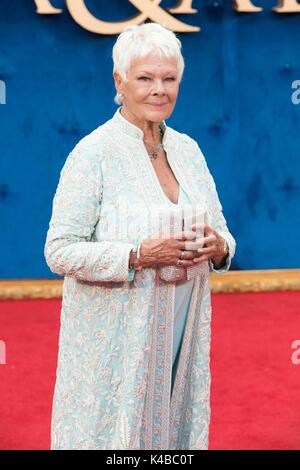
x,y
235,100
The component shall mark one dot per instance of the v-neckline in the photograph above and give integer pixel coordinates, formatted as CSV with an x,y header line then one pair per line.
x,y
175,203
137,134
156,179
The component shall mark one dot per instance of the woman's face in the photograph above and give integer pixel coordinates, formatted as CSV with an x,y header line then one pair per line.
x,y
151,89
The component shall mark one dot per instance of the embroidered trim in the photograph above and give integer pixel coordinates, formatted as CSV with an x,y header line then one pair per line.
x,y
164,416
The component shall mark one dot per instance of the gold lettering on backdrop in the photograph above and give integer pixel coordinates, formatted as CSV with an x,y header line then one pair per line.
x,y
44,7
287,6
183,6
245,6
148,9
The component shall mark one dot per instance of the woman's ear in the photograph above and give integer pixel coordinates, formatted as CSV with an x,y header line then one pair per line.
x,y
118,82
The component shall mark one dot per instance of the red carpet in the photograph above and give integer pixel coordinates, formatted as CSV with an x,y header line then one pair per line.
x,y
255,385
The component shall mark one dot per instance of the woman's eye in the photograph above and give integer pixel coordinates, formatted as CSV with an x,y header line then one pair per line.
x,y
170,79
144,78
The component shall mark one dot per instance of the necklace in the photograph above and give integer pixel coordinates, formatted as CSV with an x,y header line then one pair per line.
x,y
156,148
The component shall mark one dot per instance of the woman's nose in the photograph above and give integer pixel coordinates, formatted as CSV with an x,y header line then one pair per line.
x,y
159,87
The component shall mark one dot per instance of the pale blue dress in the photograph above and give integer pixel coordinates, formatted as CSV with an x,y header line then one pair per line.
x,y
183,293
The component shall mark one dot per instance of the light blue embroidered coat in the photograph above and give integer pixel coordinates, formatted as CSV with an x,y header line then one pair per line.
x,y
115,349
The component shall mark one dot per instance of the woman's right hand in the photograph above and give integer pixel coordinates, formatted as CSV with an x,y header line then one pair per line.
x,y
164,252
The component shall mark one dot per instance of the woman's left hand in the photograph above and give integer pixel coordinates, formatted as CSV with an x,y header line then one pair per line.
x,y
213,247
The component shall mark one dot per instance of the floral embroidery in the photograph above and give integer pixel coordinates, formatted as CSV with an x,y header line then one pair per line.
x,y
114,369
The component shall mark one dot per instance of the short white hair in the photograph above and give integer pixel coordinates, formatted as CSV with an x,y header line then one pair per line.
x,y
138,41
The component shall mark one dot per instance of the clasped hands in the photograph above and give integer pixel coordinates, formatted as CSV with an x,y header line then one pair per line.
x,y
157,251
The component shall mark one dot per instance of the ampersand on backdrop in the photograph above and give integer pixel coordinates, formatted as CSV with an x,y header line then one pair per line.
x,y
148,9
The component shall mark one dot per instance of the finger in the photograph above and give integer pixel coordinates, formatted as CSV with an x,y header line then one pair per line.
x,y
189,245
201,259
189,234
209,239
193,246
211,249
185,263
187,255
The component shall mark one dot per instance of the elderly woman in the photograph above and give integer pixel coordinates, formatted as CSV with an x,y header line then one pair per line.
x,y
133,363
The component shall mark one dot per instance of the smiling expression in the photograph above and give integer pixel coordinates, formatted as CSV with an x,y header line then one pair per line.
x,y
151,89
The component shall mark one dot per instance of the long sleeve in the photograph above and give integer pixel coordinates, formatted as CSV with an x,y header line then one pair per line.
x,y
216,218
69,250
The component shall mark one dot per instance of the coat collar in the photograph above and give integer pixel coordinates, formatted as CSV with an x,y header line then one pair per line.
x,y
131,129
